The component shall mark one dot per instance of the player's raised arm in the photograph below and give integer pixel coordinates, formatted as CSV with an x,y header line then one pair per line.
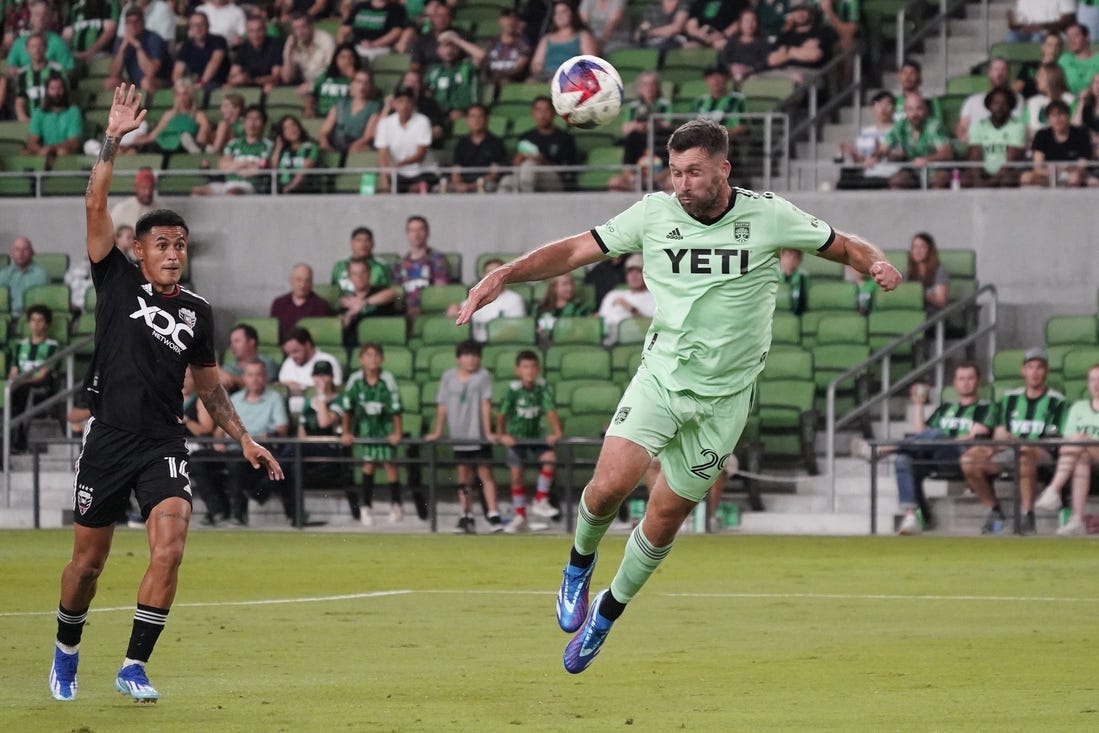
x,y
125,115
549,260
850,249
216,401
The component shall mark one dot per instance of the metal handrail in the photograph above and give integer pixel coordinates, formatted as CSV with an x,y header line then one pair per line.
x,y
946,9
882,357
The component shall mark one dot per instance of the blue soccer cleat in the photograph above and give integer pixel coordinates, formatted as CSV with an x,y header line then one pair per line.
x,y
131,681
63,675
572,598
582,650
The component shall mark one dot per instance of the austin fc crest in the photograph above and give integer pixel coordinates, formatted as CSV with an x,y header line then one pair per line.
x,y
188,316
741,231
621,416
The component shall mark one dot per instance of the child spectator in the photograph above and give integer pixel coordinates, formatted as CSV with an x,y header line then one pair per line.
x,y
1061,143
789,263
372,404
464,400
527,401
321,416
1076,461
560,301
27,355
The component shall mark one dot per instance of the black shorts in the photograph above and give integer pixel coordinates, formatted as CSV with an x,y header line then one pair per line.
x,y
474,456
525,455
113,463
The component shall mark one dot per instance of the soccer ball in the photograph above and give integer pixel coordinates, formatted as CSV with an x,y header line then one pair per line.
x,y
586,91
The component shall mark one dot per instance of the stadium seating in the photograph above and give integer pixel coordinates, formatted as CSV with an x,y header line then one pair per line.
x,y
787,416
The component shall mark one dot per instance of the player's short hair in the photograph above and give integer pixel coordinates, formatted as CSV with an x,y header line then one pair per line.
x,y
301,335
708,135
469,346
250,331
372,346
362,230
42,310
526,355
419,218
159,218
968,364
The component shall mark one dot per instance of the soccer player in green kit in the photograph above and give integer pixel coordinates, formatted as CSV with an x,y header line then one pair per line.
x,y
711,261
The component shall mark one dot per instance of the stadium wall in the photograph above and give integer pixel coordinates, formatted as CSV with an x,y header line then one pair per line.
x,y
1038,247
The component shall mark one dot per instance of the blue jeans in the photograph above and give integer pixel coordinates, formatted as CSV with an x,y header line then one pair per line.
x,y
916,462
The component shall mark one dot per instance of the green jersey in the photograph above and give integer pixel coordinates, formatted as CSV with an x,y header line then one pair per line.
x,y
524,409
371,406
454,87
1078,72
799,290
27,357
291,161
328,90
957,420
714,283
380,277
1031,419
87,24
917,143
308,419
724,111
241,150
1081,418
994,141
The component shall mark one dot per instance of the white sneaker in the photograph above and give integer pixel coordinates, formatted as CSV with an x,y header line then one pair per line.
x,y
909,525
1074,526
366,517
859,448
1049,501
543,508
517,525
396,513
538,526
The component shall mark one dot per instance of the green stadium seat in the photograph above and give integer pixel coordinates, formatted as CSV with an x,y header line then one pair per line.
x,y
818,268
633,330
441,330
582,330
424,355
524,92
56,264
786,328
771,87
599,399
1078,361
970,84
54,296
787,416
411,395
329,292
327,330
555,354
267,329
398,361
585,365
252,95
386,330
564,389
906,296
58,330
598,180
511,331
435,299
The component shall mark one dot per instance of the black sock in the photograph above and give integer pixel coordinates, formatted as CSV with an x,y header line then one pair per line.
x,y
148,623
394,492
420,501
996,508
367,492
70,625
580,561
611,608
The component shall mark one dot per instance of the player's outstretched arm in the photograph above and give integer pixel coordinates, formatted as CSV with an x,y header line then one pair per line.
x,y
217,403
125,115
850,249
549,260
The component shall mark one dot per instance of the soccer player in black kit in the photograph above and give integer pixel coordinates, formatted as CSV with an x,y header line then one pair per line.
x,y
148,331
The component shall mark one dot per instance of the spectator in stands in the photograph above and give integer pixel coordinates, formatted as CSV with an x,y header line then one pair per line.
x,y
464,403
1076,461
1030,20
27,355
772,16
508,56
634,302
257,62
287,9
16,22
334,84
421,265
295,153
1031,412
40,21
917,140
746,51
244,346
231,124
647,103
159,18
424,103
925,268
1079,61
296,372
544,145
509,305
362,247
91,29
30,81
910,77
1050,81
423,46
568,37
974,109
127,211
320,417
203,56
996,140
371,408
873,169
371,294
21,273
710,23
403,141
454,82
57,126
373,27
246,159
791,274
183,127
140,56
300,302
124,240
477,155
206,480
1086,113
663,26
720,103
352,122
226,18
804,44
306,53
560,301
843,21
1064,144
605,19
606,275
1051,49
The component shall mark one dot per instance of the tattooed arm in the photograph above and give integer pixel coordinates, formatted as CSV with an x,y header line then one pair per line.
x,y
123,117
217,403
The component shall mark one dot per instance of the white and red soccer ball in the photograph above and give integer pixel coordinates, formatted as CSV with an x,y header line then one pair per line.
x,y
586,91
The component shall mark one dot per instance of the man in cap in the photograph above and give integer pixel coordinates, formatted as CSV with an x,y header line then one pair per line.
x,y
634,302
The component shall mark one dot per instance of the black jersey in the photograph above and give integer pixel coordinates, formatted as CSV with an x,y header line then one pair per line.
x,y
143,344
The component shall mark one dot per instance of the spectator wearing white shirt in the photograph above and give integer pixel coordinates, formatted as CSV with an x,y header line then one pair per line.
x,y
509,305
974,110
1030,20
227,20
159,19
634,302
403,141
306,54
296,372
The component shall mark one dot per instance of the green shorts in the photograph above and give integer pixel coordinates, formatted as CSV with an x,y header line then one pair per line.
x,y
374,453
692,435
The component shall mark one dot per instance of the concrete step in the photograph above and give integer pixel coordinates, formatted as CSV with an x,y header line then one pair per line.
x,y
815,523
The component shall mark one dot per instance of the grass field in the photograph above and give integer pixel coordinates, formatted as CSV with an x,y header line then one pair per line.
x,y
359,632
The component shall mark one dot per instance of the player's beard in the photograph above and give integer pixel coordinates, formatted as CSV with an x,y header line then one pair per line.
x,y
702,203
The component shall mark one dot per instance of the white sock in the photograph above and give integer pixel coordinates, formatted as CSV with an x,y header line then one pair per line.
x,y
127,662
68,649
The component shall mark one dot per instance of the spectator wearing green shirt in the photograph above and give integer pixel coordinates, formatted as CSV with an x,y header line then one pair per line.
x,y
720,104
243,159
56,127
454,82
31,80
996,140
790,273
92,27
910,78
334,84
21,273
295,153
917,140
1079,61
40,21
371,295
27,356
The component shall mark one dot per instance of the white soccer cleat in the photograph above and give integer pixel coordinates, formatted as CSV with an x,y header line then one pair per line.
x,y
396,513
543,508
366,517
909,525
1049,501
517,525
